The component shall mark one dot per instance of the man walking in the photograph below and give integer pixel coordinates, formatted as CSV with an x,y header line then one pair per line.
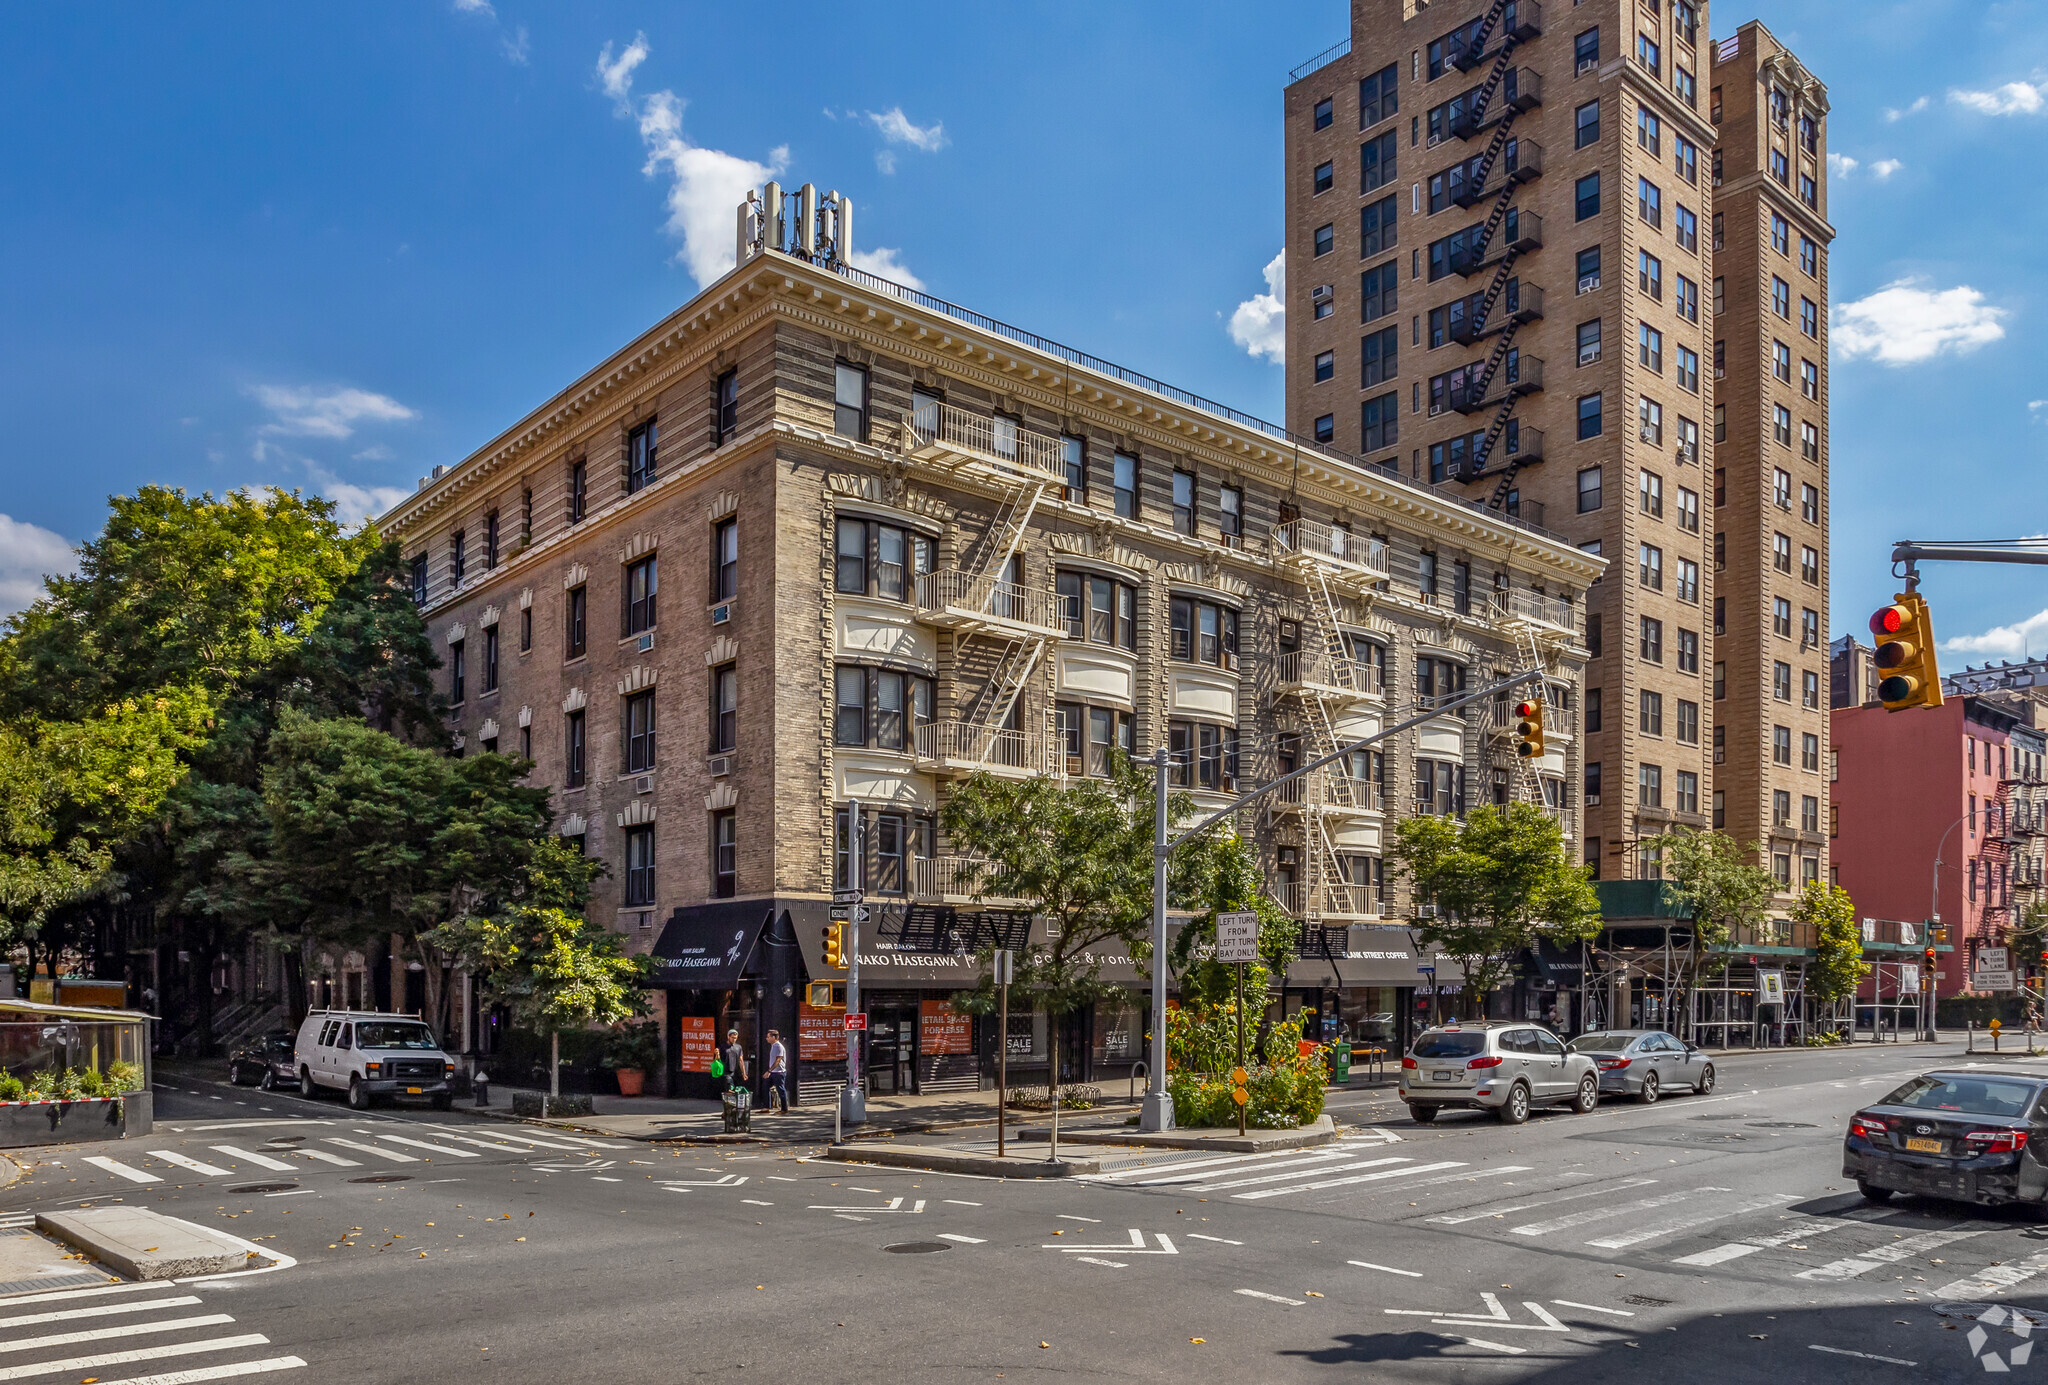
x,y
778,1072
735,1060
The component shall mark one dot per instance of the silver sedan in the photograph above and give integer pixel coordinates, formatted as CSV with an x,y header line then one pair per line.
x,y
1645,1063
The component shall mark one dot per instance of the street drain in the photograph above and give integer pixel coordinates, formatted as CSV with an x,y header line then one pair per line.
x,y
1645,1301
262,1187
384,1178
916,1248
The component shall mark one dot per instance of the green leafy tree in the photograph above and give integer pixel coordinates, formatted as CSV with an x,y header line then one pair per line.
x,y
1500,881
1236,885
1721,893
1838,966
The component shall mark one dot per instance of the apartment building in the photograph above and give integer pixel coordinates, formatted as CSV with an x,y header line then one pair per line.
x,y
1505,288
859,542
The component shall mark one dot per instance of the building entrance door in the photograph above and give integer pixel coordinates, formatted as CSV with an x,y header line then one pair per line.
x,y
892,1050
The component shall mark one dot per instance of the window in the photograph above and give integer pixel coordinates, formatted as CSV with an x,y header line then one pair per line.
x,y
1325,307
490,658
419,580
1685,158
1720,692
850,706
641,456
1592,711
573,745
875,559
1650,566
1326,239
1651,640
1809,504
1685,298
1326,112
1781,488
1781,298
1685,227
1688,722
1074,464
1809,191
1230,515
1809,749
725,853
1586,196
1090,733
1649,131
1809,379
1781,429
1720,550
1781,234
1650,274
1781,552
579,488
1326,178
1809,318
1439,787
1376,227
1650,713
1649,786
526,629
1781,361
1589,342
1326,365
1379,353
491,540
1376,162
1647,55
1589,427
1686,86
1649,202
1379,420
1587,120
1688,651
1781,167
850,401
1377,290
1589,490
1781,745
1650,494
1202,631
1809,628
1438,680
1124,480
1326,428
640,864
725,709
574,622
1378,96
1688,799
1781,808
458,672
1098,609
1650,347
642,581
1589,269
725,408
639,730
1809,696
725,559
458,556
1809,565
1184,502
1809,258
1592,783
1688,372
1425,576
1781,681
1586,49
1809,442
1650,416
1688,581
526,742
1688,510
1781,617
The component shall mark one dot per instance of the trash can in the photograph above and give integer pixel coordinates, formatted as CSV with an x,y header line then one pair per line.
x,y
735,1105
1340,1063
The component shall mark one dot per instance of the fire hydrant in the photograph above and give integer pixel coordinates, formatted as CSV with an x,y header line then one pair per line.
x,y
480,1083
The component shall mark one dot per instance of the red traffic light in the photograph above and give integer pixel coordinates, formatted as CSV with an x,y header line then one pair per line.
x,y
1525,710
1890,620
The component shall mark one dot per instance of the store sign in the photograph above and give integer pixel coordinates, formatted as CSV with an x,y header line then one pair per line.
x,y
942,1029
1770,987
699,1043
820,1034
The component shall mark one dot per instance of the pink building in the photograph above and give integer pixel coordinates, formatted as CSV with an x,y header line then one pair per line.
x,y
1962,781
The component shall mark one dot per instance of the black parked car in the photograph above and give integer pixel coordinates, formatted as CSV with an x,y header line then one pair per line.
x,y
1972,1136
267,1061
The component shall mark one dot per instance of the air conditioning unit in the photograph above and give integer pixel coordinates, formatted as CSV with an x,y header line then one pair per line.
x,y
1588,355
1649,435
1586,65
1426,911
1592,800
1720,373
1588,282
721,614
1687,452
1229,660
1321,293
719,765
644,784
646,643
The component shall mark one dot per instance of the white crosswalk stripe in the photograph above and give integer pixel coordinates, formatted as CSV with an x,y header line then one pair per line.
x,y
170,1157
1497,1210
99,1310
393,1155
91,1330
324,1157
1994,1279
250,1156
1296,1171
520,1139
1865,1261
1750,1245
120,1170
1347,1181
486,1144
410,1143
1686,1221
1592,1214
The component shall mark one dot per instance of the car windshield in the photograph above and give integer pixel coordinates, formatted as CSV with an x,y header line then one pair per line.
x,y
1976,1096
373,1035
1440,1045
1602,1043
281,1046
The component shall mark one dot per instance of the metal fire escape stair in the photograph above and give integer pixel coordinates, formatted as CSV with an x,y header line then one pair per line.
x,y
989,714
1475,50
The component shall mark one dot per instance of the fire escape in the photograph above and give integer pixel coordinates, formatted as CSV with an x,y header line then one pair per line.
x,y
1506,92
2016,846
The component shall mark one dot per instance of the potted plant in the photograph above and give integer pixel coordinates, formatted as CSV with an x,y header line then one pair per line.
x,y
630,1052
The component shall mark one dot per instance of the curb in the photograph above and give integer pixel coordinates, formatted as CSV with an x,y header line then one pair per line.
x,y
941,1161
1322,1132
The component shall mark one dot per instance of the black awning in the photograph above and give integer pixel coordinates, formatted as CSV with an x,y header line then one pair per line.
x,y
708,946
1561,964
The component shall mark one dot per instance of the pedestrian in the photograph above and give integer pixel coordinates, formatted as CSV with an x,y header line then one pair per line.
x,y
778,1072
735,1060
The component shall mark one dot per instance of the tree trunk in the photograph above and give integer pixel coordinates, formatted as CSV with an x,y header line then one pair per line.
x,y
554,1062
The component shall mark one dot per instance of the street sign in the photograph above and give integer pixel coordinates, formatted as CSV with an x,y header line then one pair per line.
x,y
1237,937
848,913
1983,980
856,1021
1993,959
848,896
1427,971
1004,967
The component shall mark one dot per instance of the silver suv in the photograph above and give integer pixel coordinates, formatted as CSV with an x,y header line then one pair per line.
x,y
1502,1068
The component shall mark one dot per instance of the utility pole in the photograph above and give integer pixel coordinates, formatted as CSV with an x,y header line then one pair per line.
x,y
853,1104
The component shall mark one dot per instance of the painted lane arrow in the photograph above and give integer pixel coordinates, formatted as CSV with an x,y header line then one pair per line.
x,y
730,1180
1495,1318
1135,1246
895,1205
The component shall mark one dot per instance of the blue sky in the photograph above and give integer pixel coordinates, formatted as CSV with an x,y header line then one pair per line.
x,y
332,245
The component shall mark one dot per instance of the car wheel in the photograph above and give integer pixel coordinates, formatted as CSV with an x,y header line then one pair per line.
x,y
306,1087
1589,1096
358,1095
234,1074
1648,1095
1515,1109
1423,1114
1706,1082
1872,1193
268,1082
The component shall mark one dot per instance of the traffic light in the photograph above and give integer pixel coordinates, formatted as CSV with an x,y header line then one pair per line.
x,y
1529,729
835,945
1929,954
1905,654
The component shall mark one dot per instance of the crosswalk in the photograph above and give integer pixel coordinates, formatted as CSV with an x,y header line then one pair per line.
x,y
377,1145
120,1333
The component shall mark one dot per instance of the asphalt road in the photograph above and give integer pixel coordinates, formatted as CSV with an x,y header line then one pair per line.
x,y
1702,1238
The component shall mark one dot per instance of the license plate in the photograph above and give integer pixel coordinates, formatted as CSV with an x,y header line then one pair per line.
x,y
1445,1076
412,1091
1924,1146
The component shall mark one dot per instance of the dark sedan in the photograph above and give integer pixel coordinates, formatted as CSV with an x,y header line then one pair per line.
x,y
268,1061
1969,1136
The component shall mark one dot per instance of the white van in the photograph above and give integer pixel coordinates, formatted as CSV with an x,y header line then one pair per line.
x,y
369,1055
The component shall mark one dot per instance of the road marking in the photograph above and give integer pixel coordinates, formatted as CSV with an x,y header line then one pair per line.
x,y
484,1144
778,1178
1570,1220
422,1144
1994,1279
1136,1245
1866,1261
876,1191
1346,1182
122,1358
1750,1245
730,1180
1685,1221
1501,1209
600,1178
1091,1260
895,1205
1491,1346
65,1295
98,1311
261,1161
210,1126
1296,1172
1863,1355
1069,1216
963,1240
202,1373
390,1154
211,1170
953,1200
1272,1298
121,1170
324,1157
1592,1308
749,1201
1496,1317
848,1216
1212,1161
102,1334
1289,1161
516,1139
1198,1236
1385,1269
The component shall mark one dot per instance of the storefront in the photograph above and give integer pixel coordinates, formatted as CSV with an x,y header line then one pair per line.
x,y
732,965
1368,984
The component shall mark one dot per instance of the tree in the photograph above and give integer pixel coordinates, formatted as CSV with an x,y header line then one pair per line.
x,y
1500,881
552,968
1721,891
1838,966
1079,854
1236,885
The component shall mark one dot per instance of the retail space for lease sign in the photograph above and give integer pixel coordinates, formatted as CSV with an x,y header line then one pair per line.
x,y
820,1033
699,1043
942,1029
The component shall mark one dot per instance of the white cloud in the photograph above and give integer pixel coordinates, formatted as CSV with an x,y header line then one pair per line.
x,y
882,260
352,503
1841,165
897,128
616,75
379,453
1260,323
1905,321
515,45
2014,98
28,552
302,411
2004,641
482,7
1883,169
1894,113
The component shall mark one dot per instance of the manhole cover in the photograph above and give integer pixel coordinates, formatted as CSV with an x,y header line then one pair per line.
x,y
262,1187
1783,1125
384,1178
916,1248
1645,1301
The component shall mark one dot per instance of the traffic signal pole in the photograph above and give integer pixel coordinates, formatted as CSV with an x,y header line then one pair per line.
x,y
853,1103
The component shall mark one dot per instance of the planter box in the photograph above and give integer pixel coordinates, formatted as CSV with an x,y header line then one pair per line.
x,y
541,1104
26,1123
